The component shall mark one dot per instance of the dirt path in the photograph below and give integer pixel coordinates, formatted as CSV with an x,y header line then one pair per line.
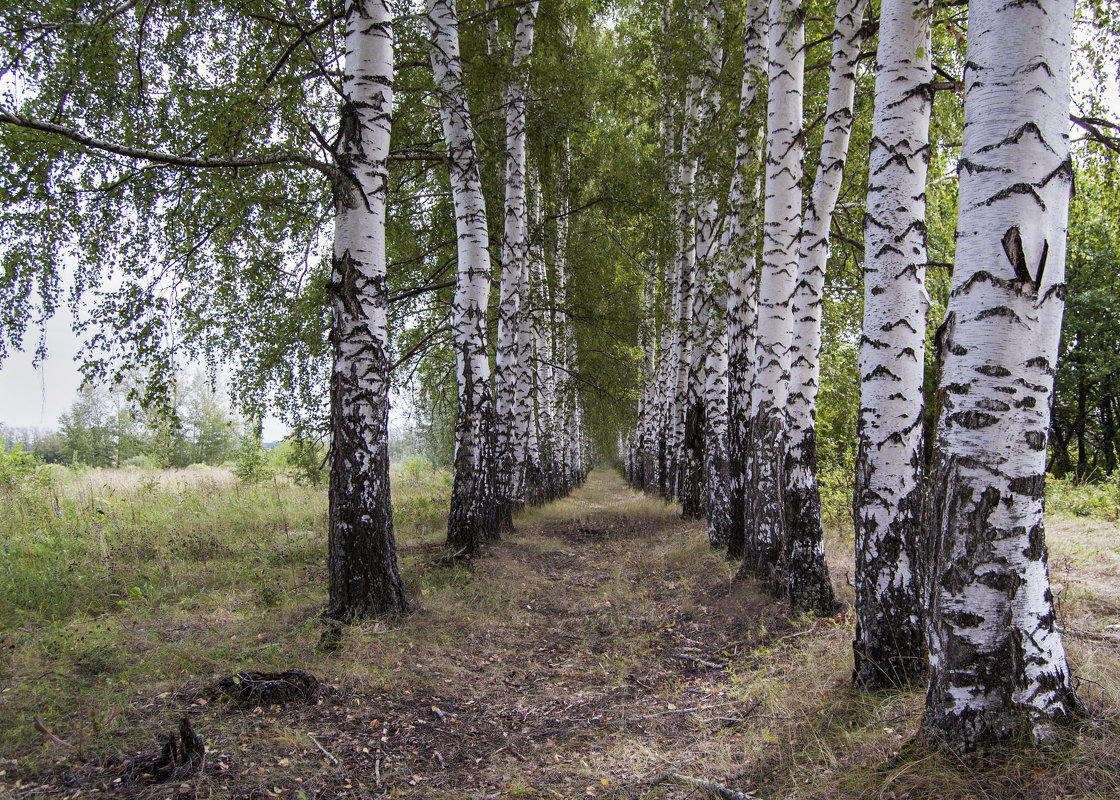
x,y
596,648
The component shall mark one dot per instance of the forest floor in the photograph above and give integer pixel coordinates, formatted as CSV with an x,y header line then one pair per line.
x,y
599,650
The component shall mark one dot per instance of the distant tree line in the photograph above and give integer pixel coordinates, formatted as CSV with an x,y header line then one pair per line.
x,y
106,428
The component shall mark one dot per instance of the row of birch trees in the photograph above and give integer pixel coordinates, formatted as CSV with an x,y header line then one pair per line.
x,y
518,434
951,572
301,196
169,153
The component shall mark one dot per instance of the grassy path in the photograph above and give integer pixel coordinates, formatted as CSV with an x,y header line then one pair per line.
x,y
599,646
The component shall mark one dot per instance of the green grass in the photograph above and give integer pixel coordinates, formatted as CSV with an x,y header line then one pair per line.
x,y
110,579
1083,498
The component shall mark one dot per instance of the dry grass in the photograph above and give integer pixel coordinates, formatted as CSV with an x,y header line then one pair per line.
x,y
600,645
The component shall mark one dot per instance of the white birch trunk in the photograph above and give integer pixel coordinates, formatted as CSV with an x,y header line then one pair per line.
x,y
739,245
363,576
473,516
782,224
686,261
997,665
511,398
889,647
694,495
810,588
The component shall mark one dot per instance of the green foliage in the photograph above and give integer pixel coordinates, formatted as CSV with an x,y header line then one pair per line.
x,y
303,457
16,466
251,459
1085,434
1083,499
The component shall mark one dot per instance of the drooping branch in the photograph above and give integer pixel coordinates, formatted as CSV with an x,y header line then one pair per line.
x,y
8,117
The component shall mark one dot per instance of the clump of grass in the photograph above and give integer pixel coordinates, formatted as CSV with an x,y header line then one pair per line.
x,y
1083,498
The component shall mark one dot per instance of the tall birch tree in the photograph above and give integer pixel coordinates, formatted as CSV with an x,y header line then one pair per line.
x,y
512,389
364,578
997,665
769,434
889,644
810,588
473,515
739,246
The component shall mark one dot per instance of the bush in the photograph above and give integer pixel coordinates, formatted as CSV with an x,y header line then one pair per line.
x,y
16,466
141,462
1083,499
251,465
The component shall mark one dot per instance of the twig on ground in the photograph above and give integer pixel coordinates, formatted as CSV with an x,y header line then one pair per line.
x,y
325,751
795,635
690,710
729,721
711,787
42,728
700,661
637,682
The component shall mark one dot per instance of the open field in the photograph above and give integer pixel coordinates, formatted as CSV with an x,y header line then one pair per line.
x,y
597,649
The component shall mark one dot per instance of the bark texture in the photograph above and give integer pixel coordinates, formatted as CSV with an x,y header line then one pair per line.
x,y
362,560
473,517
997,664
889,646
512,388
769,435
810,588
739,245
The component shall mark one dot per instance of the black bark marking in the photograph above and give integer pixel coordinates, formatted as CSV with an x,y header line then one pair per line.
x,y
1013,247
974,420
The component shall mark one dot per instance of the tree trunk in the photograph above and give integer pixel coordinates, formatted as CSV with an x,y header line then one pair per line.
x,y
997,665
739,246
362,556
769,436
512,398
473,515
810,588
889,646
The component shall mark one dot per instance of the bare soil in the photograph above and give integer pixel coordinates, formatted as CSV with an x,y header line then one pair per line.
x,y
597,648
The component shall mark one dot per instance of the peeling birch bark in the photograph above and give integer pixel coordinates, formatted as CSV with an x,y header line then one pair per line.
x,y
997,664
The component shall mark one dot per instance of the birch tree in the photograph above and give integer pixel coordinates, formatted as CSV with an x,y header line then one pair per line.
x,y
810,588
364,578
472,517
997,665
512,388
769,435
739,245
889,643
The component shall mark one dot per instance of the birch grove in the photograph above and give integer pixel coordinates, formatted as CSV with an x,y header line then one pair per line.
x,y
673,298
